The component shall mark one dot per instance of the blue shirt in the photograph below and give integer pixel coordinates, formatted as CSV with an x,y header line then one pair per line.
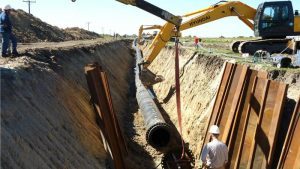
x,y
5,24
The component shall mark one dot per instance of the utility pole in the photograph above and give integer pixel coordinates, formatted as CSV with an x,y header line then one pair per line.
x,y
29,4
102,30
88,24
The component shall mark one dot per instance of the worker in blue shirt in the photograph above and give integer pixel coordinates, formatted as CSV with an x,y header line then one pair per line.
x,y
6,32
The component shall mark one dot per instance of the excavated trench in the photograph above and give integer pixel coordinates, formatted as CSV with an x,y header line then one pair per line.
x,y
46,117
47,120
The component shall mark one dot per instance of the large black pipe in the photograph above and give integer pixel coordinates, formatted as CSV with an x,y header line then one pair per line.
x,y
158,131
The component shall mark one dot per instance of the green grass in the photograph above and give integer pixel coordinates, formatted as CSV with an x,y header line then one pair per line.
x,y
222,50
227,54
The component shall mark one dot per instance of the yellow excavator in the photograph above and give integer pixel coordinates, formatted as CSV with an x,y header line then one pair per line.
x,y
272,21
149,27
146,27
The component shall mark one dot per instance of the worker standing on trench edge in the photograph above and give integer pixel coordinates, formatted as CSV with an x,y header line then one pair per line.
x,y
196,41
0,33
6,32
215,153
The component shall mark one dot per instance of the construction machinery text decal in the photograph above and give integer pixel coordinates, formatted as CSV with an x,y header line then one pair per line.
x,y
198,21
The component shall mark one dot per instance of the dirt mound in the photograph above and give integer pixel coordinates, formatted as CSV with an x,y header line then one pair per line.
x,y
46,118
29,29
79,33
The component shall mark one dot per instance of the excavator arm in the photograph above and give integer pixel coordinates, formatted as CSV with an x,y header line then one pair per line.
x,y
218,11
146,27
215,12
146,6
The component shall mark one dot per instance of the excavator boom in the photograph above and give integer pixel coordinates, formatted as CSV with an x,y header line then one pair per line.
x,y
215,12
218,11
146,6
271,20
146,27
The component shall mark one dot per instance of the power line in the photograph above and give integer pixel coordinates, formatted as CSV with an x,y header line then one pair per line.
x,y
29,4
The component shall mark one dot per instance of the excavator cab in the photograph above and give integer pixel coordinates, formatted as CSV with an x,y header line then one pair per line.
x,y
274,20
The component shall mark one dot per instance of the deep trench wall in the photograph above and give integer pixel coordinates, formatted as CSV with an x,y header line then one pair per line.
x,y
200,77
46,118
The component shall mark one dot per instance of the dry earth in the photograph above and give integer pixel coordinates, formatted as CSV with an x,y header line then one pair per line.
x,y
47,121
29,29
46,118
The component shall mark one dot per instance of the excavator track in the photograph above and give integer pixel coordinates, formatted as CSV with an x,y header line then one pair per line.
x,y
269,45
234,46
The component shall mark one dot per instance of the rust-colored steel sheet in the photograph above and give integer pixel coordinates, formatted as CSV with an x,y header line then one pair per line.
x,y
109,129
230,105
120,136
266,131
227,73
248,109
265,110
220,107
252,117
235,142
290,157
219,98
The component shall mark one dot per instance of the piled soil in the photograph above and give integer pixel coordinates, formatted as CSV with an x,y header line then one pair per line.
x,y
78,33
48,122
29,29
46,118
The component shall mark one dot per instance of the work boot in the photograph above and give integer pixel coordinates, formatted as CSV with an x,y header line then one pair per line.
x,y
15,54
4,55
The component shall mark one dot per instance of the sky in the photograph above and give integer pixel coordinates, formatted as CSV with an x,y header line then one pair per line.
x,y
111,16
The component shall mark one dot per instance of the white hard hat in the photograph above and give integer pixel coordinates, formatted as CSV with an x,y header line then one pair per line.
x,y
214,129
7,7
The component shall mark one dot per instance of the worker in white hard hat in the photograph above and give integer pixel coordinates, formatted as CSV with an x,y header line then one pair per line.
x,y
215,153
6,32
